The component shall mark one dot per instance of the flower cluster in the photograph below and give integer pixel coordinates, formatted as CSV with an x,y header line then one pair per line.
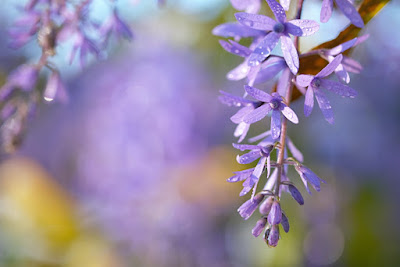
x,y
262,62
51,23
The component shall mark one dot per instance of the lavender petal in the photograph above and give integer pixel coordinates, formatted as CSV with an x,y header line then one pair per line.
x,y
290,54
255,21
259,227
278,10
236,30
285,223
302,27
330,67
275,124
309,101
296,194
258,94
289,114
304,80
248,157
350,12
338,88
325,106
264,48
326,10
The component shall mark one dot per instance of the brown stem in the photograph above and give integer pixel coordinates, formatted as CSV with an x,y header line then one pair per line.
x,y
288,96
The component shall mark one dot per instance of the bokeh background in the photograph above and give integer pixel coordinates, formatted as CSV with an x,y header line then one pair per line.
x,y
132,170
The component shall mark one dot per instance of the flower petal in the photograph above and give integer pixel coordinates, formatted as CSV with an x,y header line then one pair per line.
x,y
240,72
339,88
304,80
235,30
275,124
251,6
302,27
290,54
248,157
330,67
296,194
241,131
285,4
257,114
241,113
235,48
270,70
243,147
240,175
258,170
342,47
309,101
324,105
258,94
255,21
289,114
232,100
278,10
285,223
264,48
351,65
326,10
283,82
350,12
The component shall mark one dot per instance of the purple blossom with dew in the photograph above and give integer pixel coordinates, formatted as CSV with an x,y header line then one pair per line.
x,y
347,9
314,85
277,30
271,103
259,66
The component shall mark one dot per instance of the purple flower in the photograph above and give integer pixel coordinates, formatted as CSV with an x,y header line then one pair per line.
x,y
317,82
346,7
347,64
248,207
307,176
278,30
84,46
259,227
236,30
257,152
250,6
272,103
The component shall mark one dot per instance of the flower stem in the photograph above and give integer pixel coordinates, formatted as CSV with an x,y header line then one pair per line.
x,y
288,96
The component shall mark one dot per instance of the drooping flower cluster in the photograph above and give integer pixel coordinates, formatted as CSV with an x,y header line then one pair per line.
x,y
262,62
51,23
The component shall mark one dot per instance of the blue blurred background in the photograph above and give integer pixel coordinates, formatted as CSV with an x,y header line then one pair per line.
x,y
132,170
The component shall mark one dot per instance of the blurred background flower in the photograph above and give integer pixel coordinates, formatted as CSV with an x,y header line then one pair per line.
x,y
132,170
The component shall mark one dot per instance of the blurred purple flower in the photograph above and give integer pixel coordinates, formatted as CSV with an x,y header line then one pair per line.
x,y
250,6
346,7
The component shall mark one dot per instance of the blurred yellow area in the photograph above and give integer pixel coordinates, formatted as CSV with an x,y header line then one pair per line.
x,y
40,220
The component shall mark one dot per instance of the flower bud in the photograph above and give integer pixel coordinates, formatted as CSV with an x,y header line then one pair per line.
x,y
248,208
271,236
259,227
265,207
275,215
